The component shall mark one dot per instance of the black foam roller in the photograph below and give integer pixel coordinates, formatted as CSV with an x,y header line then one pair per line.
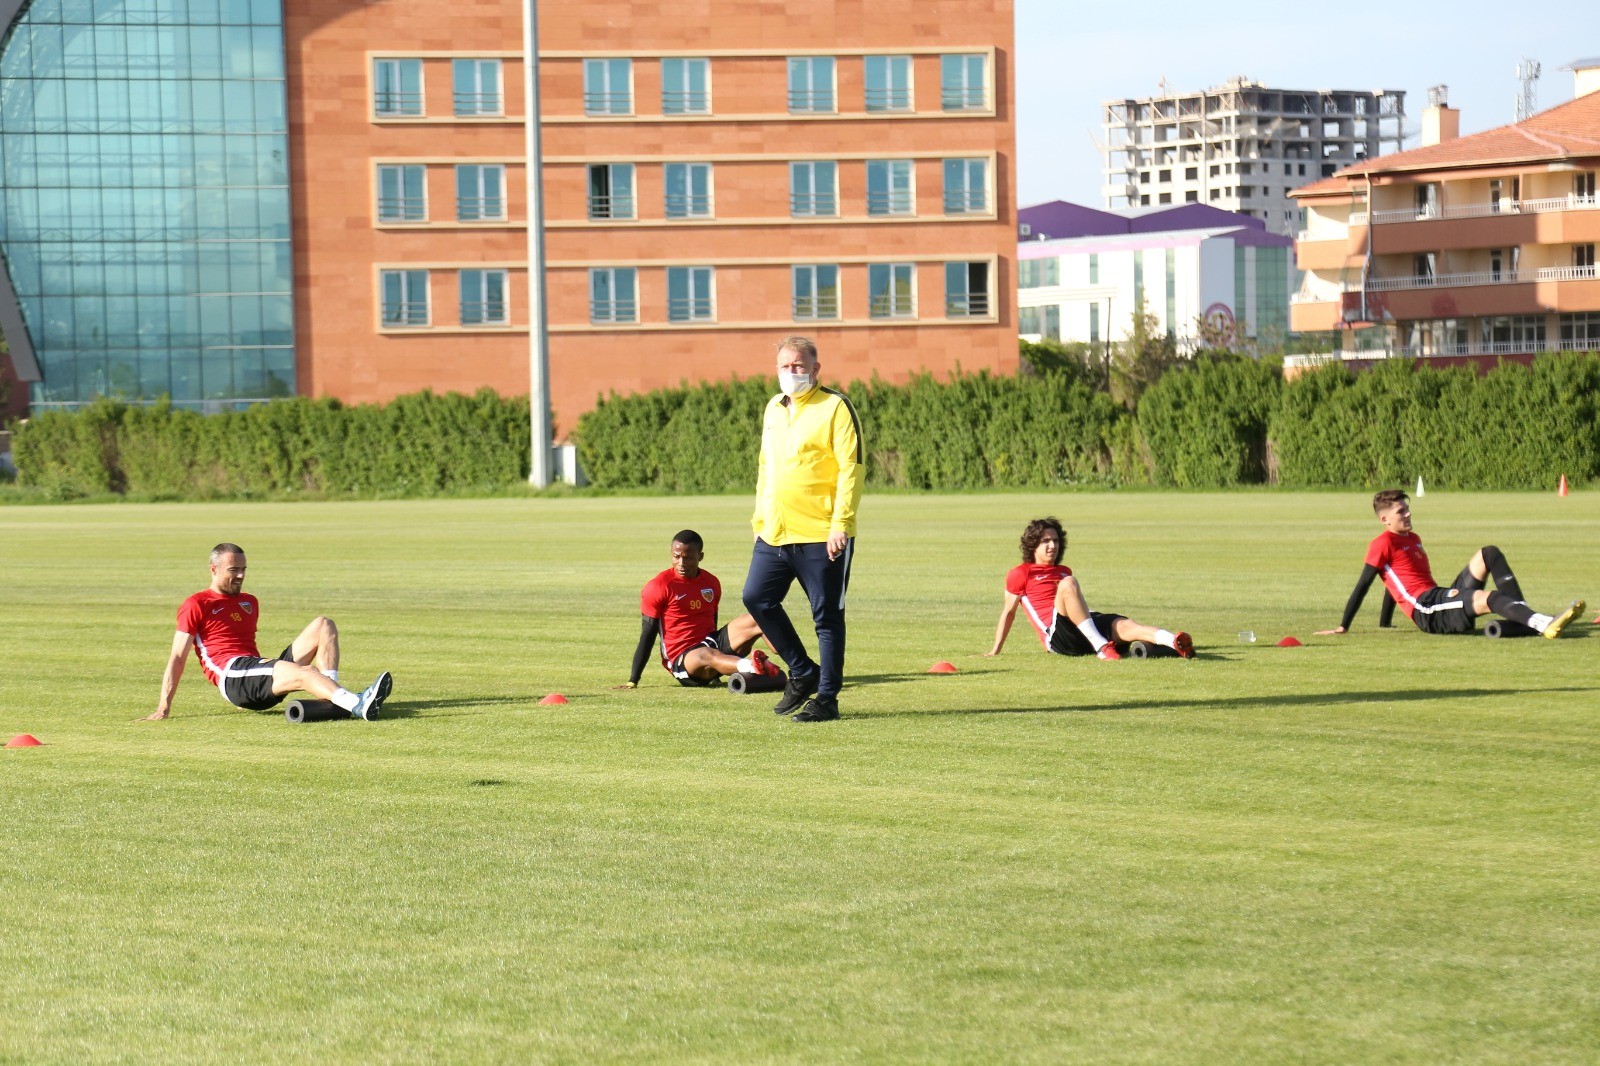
x,y
750,684
1144,649
300,711
1498,628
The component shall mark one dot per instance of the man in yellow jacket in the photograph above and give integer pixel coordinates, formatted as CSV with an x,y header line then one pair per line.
x,y
807,489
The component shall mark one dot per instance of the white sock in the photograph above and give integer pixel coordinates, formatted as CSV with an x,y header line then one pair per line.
x,y
745,666
1167,640
1091,633
346,700
331,675
1540,621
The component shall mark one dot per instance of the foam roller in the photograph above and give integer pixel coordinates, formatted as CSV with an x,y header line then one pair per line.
x,y
300,711
750,684
1144,649
1505,627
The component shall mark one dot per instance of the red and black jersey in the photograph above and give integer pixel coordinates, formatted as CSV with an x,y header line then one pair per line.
x,y
1036,584
1404,565
222,626
687,608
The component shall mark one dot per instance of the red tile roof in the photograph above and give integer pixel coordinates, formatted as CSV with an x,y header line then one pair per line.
x,y
1567,131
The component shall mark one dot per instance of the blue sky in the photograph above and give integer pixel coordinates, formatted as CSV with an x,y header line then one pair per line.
x,y
1072,55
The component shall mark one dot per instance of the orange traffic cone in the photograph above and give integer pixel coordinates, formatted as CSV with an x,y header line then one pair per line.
x,y
1562,490
553,699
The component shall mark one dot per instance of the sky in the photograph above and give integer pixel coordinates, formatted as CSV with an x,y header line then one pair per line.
x,y
1071,55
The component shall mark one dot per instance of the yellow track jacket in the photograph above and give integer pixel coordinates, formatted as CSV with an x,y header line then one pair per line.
x,y
809,480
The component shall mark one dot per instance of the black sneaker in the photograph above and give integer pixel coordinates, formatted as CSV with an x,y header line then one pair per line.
x,y
795,694
818,709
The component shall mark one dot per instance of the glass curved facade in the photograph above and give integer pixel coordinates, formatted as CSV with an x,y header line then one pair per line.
x,y
145,224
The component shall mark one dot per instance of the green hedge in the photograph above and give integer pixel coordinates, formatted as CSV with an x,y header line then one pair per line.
x,y
1206,423
415,445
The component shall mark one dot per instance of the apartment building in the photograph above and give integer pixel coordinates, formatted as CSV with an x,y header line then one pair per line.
x,y
1466,249
333,198
1241,146
1082,273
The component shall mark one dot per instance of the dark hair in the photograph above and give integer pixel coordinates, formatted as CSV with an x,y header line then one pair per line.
x,y
1035,533
1387,499
689,539
225,548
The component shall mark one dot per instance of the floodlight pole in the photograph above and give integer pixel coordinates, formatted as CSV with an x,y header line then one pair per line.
x,y
539,473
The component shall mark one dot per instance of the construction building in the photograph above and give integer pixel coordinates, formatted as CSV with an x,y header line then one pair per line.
x,y
229,200
1241,146
1469,249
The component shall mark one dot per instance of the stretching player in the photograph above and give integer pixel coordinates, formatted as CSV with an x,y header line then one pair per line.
x,y
678,608
220,624
1057,609
1397,554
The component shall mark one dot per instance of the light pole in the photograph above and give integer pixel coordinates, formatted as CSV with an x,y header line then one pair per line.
x,y
539,473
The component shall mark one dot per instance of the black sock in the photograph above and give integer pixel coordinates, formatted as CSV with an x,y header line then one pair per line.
x,y
1500,570
1506,607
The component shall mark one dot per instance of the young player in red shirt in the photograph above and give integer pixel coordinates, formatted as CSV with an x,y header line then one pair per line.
x,y
1397,555
1056,606
678,608
219,623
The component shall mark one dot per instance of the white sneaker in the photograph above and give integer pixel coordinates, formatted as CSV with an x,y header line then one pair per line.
x,y
373,697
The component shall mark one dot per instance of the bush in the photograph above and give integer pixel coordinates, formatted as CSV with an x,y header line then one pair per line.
x,y
1206,422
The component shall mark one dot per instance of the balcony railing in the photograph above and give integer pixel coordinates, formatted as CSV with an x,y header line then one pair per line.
x,y
1482,209
1529,347
1447,281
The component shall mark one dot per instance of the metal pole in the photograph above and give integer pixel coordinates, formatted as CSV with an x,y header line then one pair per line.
x,y
539,473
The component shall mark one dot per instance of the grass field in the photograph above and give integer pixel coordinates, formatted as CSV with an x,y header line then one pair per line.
x,y
1375,848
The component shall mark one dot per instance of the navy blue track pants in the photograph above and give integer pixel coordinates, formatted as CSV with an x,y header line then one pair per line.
x,y
772,571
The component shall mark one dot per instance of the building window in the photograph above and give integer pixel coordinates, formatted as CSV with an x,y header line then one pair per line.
x,y
964,82
966,186
811,85
483,298
686,86
1172,290
1583,257
688,188
1583,186
405,297
891,290
889,187
402,194
1580,331
689,294
1094,323
1038,273
610,190
476,85
816,292
1052,322
966,290
888,83
613,295
813,189
608,86
1028,320
396,87
1094,268
480,192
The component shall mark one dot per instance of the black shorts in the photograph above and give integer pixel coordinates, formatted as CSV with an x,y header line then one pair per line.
x,y
246,682
717,641
1066,640
1447,610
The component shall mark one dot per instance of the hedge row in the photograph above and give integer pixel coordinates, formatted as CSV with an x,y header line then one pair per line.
x,y
1214,422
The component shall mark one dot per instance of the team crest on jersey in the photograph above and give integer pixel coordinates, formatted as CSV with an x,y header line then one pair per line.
x,y
708,594
249,608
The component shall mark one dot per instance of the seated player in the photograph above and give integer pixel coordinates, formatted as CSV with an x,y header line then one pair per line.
x,y
1397,554
1056,605
678,608
220,624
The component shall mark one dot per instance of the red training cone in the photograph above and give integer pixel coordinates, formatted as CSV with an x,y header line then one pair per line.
x,y
24,740
1562,490
553,698
942,667
1289,642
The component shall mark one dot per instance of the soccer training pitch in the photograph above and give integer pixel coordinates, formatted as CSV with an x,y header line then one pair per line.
x,y
1377,847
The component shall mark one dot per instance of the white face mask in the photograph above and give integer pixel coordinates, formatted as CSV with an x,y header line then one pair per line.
x,y
794,385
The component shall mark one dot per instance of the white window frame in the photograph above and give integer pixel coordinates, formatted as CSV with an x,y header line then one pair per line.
x,y
612,206
893,271
686,100
893,201
807,204
812,308
700,305
482,297
963,302
694,205
391,71
483,200
964,200
600,95
395,205
807,98
618,308
479,100
958,93
892,98
406,316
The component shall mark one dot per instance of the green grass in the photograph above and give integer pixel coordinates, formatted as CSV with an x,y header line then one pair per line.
x,y
1380,847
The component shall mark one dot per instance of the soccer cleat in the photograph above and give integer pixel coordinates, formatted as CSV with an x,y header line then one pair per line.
x,y
1183,644
795,694
1108,651
818,709
764,666
372,699
1553,630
